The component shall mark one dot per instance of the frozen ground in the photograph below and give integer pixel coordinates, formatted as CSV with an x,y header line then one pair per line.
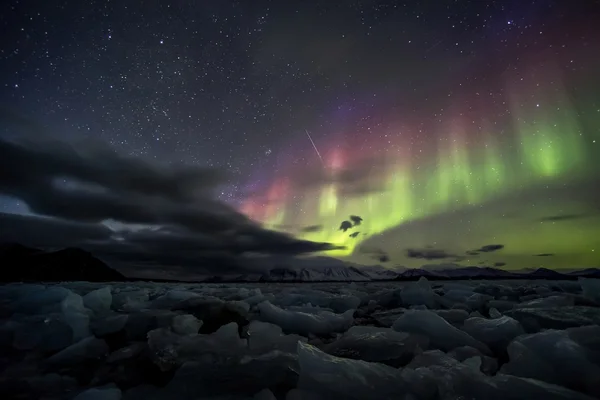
x,y
419,340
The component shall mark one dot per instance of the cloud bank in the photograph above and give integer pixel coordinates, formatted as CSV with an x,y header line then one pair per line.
x,y
74,190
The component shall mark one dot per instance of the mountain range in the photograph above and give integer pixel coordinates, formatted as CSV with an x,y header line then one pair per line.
x,y
20,263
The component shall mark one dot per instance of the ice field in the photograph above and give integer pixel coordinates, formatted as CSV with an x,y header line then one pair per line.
x,y
374,340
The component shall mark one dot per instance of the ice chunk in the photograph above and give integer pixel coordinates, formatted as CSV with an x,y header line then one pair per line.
x,y
453,316
338,303
169,349
535,319
51,385
512,387
127,352
232,379
140,323
473,362
87,349
382,345
419,293
264,394
489,365
440,333
502,305
496,333
43,332
463,381
319,324
309,309
457,286
388,317
433,358
297,394
106,393
106,325
173,297
494,313
264,337
477,301
143,392
32,299
76,316
213,312
186,324
259,298
590,288
554,357
99,300
458,296
548,302
340,378
130,300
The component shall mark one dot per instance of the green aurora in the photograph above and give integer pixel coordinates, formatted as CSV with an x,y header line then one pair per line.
x,y
531,186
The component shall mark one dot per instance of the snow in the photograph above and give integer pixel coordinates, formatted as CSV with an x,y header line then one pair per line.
x,y
387,340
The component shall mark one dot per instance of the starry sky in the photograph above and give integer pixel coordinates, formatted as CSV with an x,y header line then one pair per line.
x,y
461,132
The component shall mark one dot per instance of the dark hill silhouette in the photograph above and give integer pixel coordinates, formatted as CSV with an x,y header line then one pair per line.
x,y
19,263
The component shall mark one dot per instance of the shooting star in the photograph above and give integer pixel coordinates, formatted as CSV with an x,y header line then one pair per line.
x,y
315,147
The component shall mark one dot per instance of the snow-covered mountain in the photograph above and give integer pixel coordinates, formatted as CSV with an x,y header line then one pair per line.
x,y
477,272
377,272
312,269
315,274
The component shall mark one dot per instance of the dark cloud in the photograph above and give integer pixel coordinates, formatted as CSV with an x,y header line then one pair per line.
x,y
383,258
345,225
78,187
472,253
488,248
49,232
562,217
499,264
312,228
544,255
376,253
440,267
428,254
356,220
354,234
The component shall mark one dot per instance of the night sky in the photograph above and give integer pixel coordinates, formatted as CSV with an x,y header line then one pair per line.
x,y
461,132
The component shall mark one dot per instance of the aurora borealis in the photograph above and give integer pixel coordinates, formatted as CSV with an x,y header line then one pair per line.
x,y
538,160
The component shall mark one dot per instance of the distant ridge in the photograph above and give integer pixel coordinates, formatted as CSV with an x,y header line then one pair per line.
x,y
26,264
20,263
